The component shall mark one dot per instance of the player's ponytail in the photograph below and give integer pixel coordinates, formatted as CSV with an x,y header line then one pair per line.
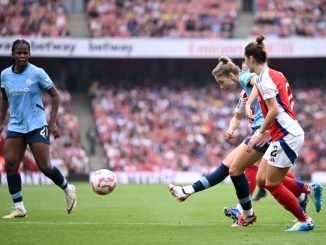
x,y
225,66
257,50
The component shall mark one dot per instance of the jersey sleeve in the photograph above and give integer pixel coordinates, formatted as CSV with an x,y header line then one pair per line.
x,y
245,78
44,80
241,103
268,89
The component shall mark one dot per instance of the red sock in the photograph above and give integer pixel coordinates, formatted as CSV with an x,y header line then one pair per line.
x,y
295,186
287,200
250,174
290,175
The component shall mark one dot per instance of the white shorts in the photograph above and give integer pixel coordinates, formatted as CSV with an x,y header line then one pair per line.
x,y
282,153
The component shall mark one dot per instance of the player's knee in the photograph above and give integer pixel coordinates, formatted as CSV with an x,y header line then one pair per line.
x,y
11,165
46,170
234,171
260,182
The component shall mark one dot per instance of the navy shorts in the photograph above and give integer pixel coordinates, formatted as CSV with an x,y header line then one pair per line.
x,y
40,135
262,149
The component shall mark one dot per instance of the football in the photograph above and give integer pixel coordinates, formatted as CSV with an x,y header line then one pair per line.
x,y
103,181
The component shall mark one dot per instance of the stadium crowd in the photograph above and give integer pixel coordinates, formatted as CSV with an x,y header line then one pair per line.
x,y
33,18
67,152
290,18
163,18
152,128
156,18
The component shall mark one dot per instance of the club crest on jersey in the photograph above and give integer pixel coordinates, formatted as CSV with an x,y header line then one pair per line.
x,y
28,81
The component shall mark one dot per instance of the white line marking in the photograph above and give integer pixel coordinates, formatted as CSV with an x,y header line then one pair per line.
x,y
125,223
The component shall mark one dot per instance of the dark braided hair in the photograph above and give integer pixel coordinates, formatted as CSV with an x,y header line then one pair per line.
x,y
13,48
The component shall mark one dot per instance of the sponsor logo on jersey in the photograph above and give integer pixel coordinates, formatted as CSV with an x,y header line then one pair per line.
x,y
18,91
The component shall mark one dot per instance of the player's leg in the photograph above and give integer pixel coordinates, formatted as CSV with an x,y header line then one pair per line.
x,y
14,149
253,171
210,180
279,157
250,174
261,191
39,141
241,161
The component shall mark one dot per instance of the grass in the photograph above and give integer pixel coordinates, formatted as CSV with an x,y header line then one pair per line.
x,y
147,214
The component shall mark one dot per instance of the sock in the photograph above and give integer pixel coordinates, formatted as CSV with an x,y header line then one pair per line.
x,y
242,190
287,200
302,197
251,173
295,186
290,175
247,213
189,189
239,208
15,187
57,178
214,178
19,205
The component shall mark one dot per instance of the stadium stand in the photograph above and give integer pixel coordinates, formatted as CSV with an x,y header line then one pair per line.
x,y
33,18
290,18
145,129
180,19
67,152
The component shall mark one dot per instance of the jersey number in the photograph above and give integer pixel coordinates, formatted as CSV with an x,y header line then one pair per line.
x,y
274,152
44,132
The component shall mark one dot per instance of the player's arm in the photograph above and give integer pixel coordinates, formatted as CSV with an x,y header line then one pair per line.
x,y
238,114
3,108
53,92
272,106
234,124
251,99
261,135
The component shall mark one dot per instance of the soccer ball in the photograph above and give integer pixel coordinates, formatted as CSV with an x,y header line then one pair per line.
x,y
103,181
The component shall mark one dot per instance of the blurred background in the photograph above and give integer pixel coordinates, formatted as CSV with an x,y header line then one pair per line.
x,y
136,87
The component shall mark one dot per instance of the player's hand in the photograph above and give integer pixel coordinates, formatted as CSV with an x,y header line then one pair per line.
x,y
252,142
264,139
54,129
249,113
229,134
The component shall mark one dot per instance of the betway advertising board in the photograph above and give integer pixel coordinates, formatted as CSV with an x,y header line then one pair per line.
x,y
164,48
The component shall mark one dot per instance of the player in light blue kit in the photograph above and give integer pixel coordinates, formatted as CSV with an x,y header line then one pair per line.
x,y
226,74
22,85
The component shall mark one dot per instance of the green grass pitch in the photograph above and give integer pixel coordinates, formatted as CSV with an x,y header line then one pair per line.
x,y
147,214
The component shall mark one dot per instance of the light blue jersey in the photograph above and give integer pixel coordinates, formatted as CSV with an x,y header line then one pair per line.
x,y
244,78
24,92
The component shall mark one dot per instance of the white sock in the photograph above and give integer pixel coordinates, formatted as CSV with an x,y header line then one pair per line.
x,y
248,212
68,188
301,197
19,205
189,189
239,207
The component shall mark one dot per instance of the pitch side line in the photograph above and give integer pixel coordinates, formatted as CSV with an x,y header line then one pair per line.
x,y
121,223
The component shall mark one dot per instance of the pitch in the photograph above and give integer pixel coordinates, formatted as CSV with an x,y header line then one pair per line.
x,y
147,214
